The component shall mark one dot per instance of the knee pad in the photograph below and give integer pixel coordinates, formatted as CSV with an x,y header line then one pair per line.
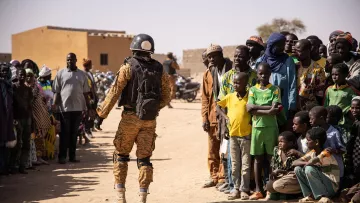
x,y
121,158
144,162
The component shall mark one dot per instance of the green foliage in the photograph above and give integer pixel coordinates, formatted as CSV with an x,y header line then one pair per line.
x,y
295,26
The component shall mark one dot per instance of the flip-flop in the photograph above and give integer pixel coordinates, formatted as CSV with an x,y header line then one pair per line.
x,y
256,196
306,200
244,196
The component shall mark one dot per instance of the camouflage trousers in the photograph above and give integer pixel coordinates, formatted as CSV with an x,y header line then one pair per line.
x,y
133,130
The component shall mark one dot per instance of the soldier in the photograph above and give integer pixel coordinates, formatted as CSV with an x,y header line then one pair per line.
x,y
144,89
170,66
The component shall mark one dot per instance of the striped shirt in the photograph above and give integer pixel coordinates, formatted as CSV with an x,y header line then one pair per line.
x,y
328,164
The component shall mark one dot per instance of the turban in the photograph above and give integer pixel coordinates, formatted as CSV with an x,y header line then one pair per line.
x,y
345,38
356,98
335,33
213,48
275,61
15,62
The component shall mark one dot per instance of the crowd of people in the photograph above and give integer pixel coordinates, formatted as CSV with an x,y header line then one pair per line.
x,y
283,118
31,118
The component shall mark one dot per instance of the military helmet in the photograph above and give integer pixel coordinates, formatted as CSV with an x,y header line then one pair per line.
x,y
143,42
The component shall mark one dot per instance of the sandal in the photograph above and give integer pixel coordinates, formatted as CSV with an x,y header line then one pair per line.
x,y
306,200
244,196
256,196
325,200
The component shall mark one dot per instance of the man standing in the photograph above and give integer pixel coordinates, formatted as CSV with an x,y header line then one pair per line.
x,y
71,90
218,66
256,46
144,89
170,66
89,121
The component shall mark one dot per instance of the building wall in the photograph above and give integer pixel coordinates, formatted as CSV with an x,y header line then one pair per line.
x,y
192,58
5,57
49,46
117,48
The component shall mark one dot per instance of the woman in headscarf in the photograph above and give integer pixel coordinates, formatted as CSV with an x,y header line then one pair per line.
x,y
29,64
40,115
283,72
6,112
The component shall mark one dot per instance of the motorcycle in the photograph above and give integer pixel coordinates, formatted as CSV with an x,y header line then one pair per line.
x,y
186,89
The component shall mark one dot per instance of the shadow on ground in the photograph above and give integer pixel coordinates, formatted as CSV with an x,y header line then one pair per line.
x,y
49,182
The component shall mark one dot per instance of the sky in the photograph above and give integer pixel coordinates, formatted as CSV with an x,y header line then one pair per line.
x,y
177,25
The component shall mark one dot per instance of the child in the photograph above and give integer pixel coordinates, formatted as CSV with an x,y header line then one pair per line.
x,y
331,61
263,105
318,171
352,157
301,125
283,179
333,118
23,98
341,93
333,143
240,129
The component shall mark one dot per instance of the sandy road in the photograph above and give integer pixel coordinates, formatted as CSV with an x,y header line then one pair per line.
x,y
179,162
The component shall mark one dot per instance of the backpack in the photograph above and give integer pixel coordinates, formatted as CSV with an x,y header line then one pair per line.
x,y
148,77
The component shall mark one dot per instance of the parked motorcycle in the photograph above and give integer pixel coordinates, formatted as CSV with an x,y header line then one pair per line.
x,y
186,89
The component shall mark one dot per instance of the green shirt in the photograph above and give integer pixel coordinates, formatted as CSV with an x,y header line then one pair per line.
x,y
227,85
264,97
340,96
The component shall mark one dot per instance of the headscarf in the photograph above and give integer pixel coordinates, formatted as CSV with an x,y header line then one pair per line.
x,y
35,68
45,71
345,38
14,62
275,61
335,33
356,98
86,62
28,70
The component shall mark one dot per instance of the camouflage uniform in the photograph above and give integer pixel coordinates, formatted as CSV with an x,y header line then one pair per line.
x,y
133,130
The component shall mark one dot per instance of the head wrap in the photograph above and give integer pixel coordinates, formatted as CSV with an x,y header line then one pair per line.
x,y
213,48
275,61
45,71
356,98
255,40
345,38
86,62
15,62
335,33
28,70
35,68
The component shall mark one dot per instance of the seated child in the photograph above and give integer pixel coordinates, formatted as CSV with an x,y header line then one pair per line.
x,y
238,120
283,179
318,171
301,126
333,144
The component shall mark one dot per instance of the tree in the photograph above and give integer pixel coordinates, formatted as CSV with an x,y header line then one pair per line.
x,y
295,26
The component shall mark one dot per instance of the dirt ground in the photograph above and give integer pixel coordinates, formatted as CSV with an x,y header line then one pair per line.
x,y
179,161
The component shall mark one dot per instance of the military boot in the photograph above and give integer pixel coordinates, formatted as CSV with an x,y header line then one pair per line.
x,y
120,195
142,196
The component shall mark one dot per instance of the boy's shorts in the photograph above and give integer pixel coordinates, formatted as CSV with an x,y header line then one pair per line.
x,y
263,140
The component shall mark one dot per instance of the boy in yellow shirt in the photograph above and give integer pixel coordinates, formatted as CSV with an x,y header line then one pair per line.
x,y
238,120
